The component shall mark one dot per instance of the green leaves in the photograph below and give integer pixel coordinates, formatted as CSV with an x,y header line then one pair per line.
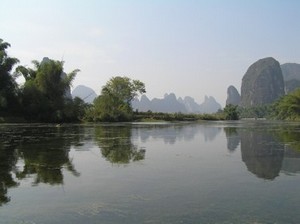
x,y
8,86
45,89
114,103
231,112
288,107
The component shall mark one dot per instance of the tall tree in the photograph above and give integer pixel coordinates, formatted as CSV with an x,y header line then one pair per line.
x,y
8,85
44,92
114,103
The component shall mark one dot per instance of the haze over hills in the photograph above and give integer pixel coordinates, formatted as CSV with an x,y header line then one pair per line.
x,y
233,96
264,82
291,76
85,93
171,104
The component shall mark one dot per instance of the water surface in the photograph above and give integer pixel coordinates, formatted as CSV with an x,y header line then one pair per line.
x,y
208,172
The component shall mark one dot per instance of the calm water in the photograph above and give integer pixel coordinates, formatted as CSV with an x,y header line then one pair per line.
x,y
210,172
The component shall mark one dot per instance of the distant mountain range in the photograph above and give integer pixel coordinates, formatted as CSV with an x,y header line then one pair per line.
x,y
171,104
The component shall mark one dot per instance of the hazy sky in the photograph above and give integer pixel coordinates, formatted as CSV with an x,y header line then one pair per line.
x,y
189,47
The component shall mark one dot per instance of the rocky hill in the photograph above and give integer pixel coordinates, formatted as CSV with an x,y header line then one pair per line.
x,y
170,104
262,84
233,96
291,76
190,104
210,105
85,93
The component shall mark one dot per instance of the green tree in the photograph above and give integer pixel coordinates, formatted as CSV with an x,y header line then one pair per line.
x,y
8,86
75,109
114,103
231,112
262,111
44,91
288,107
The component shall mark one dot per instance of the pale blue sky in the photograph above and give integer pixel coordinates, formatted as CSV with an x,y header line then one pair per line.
x,y
192,48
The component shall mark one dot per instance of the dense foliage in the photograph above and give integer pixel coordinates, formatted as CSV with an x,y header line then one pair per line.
x,y
45,91
45,95
114,103
263,111
231,112
288,107
9,93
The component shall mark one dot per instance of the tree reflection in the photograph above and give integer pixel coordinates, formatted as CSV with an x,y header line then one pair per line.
x,y
34,152
46,154
116,144
290,136
8,160
233,138
291,139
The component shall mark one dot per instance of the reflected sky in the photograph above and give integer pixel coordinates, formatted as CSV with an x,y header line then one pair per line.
x,y
209,172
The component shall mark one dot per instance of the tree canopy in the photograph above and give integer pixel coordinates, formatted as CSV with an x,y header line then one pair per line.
x,y
45,92
231,112
8,86
114,103
288,107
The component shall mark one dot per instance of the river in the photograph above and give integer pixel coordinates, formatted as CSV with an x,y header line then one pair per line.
x,y
203,172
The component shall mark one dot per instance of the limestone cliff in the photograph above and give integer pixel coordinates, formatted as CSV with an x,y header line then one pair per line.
x,y
291,76
233,96
262,83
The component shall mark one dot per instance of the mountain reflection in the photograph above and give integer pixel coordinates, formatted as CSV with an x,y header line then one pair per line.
x,y
116,144
40,153
261,153
171,133
116,141
35,152
266,153
233,138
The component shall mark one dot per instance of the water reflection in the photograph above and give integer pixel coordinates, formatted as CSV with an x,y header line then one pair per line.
x,y
171,133
233,138
8,160
116,144
266,153
36,152
40,153
44,160
291,139
261,153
